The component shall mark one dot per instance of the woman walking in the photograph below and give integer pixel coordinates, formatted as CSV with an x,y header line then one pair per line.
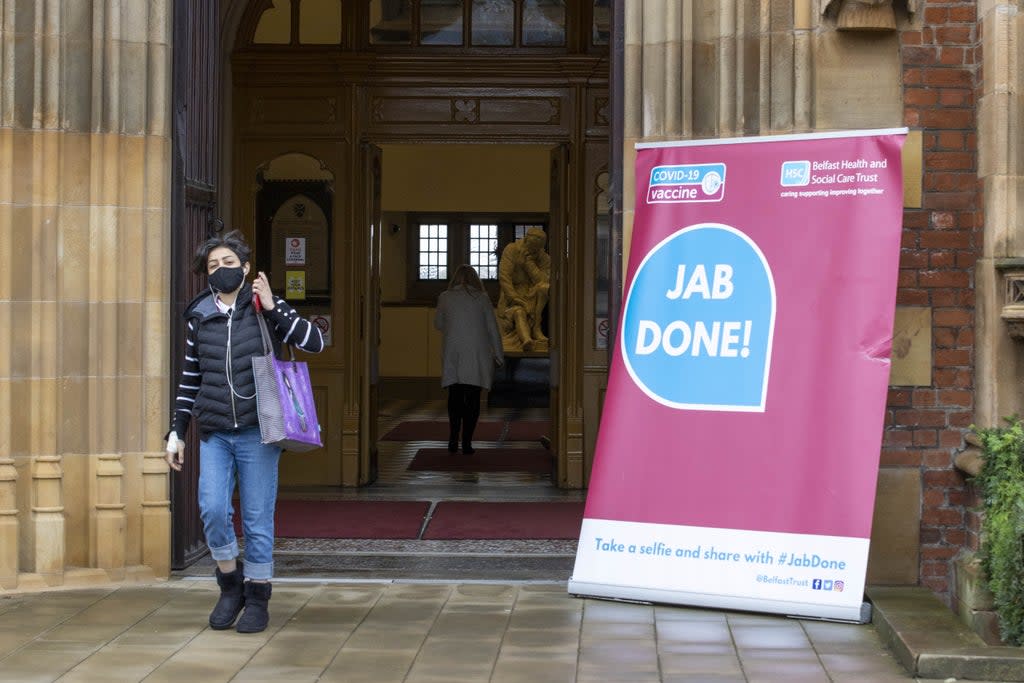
x,y
471,348
218,393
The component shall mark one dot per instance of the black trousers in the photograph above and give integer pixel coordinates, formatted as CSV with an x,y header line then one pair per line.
x,y
463,413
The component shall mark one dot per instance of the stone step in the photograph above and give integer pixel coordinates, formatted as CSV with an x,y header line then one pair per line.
x,y
931,642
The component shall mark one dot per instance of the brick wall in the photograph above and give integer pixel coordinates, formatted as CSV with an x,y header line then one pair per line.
x,y
941,240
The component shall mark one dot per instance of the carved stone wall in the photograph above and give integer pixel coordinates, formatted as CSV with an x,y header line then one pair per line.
x,y
741,67
84,190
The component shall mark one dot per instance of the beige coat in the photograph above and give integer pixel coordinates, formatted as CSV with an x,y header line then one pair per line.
x,y
471,345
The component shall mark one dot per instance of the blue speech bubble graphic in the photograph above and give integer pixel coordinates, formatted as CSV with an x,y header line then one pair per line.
x,y
699,321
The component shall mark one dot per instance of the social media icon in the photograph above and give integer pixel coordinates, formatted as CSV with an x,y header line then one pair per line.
x,y
838,586
827,585
816,584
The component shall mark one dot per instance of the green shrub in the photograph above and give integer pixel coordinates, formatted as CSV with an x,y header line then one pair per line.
x,y
1001,486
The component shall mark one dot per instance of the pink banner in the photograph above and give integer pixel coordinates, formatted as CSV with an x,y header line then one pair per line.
x,y
743,421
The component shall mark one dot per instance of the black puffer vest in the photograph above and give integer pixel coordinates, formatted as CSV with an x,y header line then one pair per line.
x,y
217,407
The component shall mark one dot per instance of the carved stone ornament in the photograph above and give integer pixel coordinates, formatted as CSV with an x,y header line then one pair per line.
x,y
864,15
1013,304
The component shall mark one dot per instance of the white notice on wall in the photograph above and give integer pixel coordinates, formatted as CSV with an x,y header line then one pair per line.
x,y
295,251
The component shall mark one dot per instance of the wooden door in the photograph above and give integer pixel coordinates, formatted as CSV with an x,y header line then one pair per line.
x,y
370,323
558,318
195,166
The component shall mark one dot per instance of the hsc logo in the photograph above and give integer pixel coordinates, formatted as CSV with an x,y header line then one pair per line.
x,y
699,320
686,183
795,173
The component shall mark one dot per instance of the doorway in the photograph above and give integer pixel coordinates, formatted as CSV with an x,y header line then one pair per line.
x,y
443,205
336,85
330,85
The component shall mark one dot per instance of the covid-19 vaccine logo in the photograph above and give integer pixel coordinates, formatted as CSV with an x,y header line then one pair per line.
x,y
699,321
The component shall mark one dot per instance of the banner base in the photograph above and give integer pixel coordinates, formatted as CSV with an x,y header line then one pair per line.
x,y
854,614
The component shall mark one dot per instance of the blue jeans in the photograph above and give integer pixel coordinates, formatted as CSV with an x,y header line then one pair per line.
x,y
221,457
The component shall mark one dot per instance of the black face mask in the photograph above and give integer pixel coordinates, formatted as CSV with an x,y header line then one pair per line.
x,y
227,279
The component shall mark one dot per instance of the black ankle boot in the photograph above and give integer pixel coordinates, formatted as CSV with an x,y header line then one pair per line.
x,y
467,448
453,445
232,598
255,617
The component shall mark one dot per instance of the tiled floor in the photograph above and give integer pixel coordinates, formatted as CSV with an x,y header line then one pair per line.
x,y
418,633
396,482
394,457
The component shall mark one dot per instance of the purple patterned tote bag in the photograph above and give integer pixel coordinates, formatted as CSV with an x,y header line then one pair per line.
x,y
284,399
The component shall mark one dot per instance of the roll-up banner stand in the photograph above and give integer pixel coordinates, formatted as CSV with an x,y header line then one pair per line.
x,y
738,451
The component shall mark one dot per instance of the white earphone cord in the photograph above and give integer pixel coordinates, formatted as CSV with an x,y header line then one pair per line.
x,y
227,363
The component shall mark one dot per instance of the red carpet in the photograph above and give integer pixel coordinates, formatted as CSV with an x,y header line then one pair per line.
x,y
527,430
346,518
465,520
486,430
536,460
437,430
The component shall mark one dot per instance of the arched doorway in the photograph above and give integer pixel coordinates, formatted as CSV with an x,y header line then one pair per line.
x,y
333,80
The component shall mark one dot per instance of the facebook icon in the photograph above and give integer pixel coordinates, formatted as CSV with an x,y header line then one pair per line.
x,y
816,584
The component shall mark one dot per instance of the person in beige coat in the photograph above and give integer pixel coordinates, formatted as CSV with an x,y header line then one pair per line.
x,y
470,350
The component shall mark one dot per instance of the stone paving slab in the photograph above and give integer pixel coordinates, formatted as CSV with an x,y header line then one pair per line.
x,y
412,632
930,641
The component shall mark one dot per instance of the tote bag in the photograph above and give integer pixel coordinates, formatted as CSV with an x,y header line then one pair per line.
x,y
284,397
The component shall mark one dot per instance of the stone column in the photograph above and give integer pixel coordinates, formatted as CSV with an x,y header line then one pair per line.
x,y
707,70
8,518
999,361
803,24
84,196
37,202
109,516
47,519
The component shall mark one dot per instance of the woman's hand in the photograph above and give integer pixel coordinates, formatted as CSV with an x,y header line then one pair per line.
x,y
175,452
261,288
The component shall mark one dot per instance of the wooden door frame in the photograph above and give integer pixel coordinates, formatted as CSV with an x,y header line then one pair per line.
x,y
568,367
195,144
351,99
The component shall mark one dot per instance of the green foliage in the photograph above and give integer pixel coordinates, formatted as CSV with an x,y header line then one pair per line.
x,y
1001,485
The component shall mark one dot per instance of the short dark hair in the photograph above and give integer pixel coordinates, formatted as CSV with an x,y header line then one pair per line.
x,y
234,240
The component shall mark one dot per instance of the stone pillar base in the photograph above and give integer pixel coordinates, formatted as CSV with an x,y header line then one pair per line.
x,y
33,581
81,577
972,601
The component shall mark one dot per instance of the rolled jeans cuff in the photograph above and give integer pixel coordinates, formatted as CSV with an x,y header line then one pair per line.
x,y
225,552
259,571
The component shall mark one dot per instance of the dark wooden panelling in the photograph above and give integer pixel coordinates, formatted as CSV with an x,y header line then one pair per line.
x,y
470,111
598,114
295,110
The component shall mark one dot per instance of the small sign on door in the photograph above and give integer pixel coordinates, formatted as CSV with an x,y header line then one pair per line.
x,y
295,251
295,284
601,333
323,321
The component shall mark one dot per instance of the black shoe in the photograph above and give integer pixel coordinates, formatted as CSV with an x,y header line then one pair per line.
x,y
255,617
232,598
453,446
468,449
